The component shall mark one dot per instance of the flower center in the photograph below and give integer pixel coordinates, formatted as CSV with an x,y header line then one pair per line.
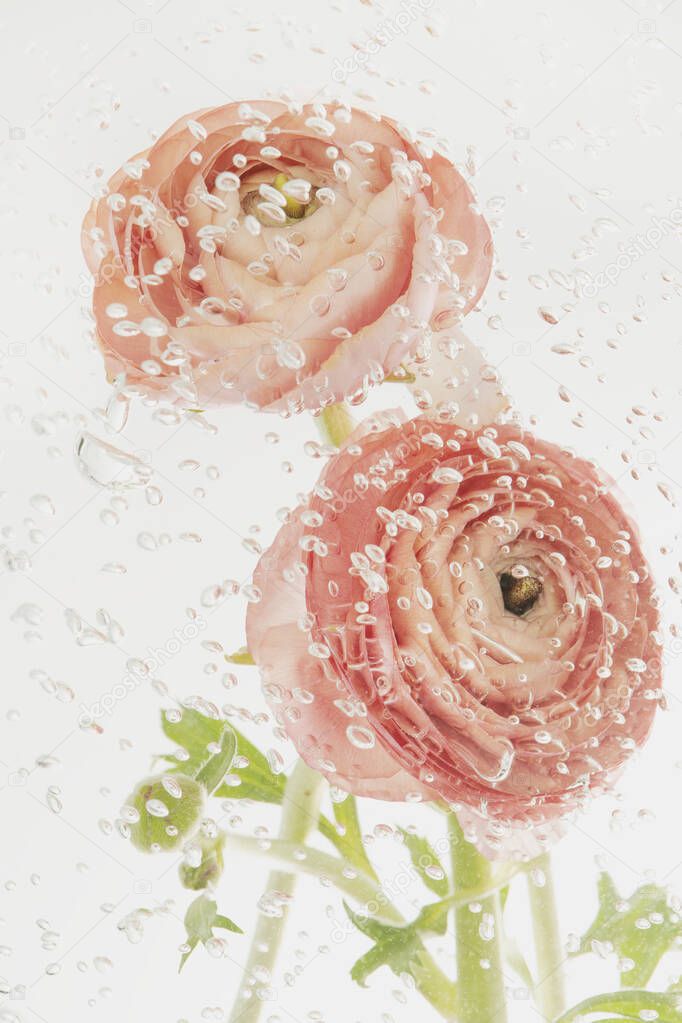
x,y
519,594
275,206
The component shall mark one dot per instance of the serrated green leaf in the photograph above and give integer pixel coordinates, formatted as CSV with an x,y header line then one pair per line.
x,y
395,947
433,918
424,860
629,1005
641,929
346,835
402,950
200,920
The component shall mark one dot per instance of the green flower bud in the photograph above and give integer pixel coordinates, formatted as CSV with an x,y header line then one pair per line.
x,y
170,808
206,872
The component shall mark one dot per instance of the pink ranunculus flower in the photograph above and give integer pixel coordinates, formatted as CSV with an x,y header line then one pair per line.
x,y
282,255
463,614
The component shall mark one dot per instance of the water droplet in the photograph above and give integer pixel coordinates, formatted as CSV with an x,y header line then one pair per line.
x,y
108,466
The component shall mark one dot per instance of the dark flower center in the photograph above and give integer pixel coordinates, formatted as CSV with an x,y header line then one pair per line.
x,y
519,595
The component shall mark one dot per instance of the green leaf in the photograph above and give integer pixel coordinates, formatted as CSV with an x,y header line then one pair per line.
x,y
433,918
226,924
200,920
641,929
217,766
194,732
395,947
425,861
257,780
346,835
241,656
629,1005
399,947
210,743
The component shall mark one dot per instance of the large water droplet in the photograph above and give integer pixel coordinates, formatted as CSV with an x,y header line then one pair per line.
x,y
108,466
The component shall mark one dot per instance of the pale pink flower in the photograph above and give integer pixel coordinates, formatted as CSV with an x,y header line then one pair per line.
x,y
286,256
460,614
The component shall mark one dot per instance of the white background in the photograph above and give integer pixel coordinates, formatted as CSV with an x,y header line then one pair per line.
x,y
572,113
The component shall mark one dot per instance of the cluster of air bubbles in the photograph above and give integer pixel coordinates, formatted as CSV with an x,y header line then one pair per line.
x,y
273,903
61,691
104,629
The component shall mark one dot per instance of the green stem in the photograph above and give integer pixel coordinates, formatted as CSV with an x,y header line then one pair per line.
x,y
335,424
303,859
550,993
299,817
480,988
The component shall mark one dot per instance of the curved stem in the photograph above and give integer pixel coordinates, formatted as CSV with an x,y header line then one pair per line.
x,y
303,859
480,981
550,994
299,816
433,985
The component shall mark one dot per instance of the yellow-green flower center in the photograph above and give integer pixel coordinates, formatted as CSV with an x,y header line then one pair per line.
x,y
265,209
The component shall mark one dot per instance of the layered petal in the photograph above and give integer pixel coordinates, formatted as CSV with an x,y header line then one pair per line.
x,y
471,612
281,255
